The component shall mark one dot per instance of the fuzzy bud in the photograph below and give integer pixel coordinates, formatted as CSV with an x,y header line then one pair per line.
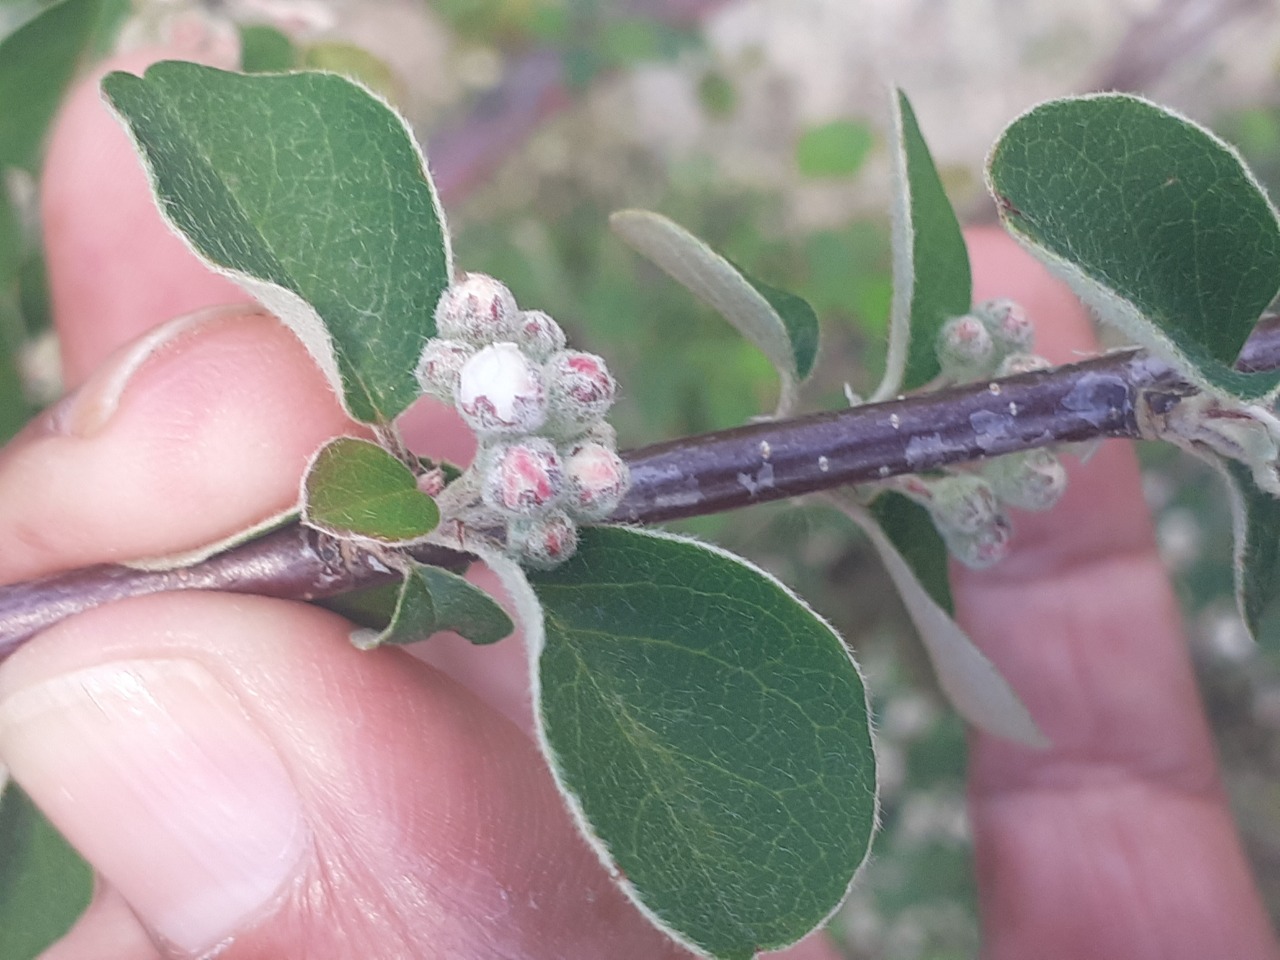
x,y
543,542
963,503
476,308
1008,324
439,366
1031,480
523,478
982,549
965,348
501,392
538,335
1016,363
596,479
580,389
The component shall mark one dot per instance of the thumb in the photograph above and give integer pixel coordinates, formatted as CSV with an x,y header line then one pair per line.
x,y
247,781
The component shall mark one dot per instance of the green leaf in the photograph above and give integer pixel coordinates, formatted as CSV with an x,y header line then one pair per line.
x,y
265,49
836,149
310,193
931,279
430,600
915,558
1255,518
711,732
782,325
911,531
1155,223
354,488
44,884
37,63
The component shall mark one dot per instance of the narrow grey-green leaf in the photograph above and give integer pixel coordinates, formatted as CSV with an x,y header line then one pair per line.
x,y
1154,221
44,884
265,49
911,531
309,192
1255,518
710,731
430,600
783,326
354,488
971,682
37,63
931,278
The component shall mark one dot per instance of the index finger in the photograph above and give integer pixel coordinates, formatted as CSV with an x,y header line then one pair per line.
x,y
1116,842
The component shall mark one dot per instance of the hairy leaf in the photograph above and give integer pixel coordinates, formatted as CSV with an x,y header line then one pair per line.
x,y
915,558
1255,518
931,279
44,884
354,488
311,194
711,733
1155,223
781,324
428,601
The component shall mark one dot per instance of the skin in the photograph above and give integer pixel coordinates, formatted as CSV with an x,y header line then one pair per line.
x,y
407,812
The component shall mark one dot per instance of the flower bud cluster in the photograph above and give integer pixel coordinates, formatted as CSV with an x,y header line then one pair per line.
x,y
995,339
547,458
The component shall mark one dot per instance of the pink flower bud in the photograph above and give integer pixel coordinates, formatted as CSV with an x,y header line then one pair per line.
x,y
543,542
523,478
538,335
500,392
581,389
965,349
439,366
1008,325
596,479
476,308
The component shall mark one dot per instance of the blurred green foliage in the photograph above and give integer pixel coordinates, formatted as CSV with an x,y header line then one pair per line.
x,y
835,149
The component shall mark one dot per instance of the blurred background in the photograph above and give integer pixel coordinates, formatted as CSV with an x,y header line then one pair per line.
x,y
758,124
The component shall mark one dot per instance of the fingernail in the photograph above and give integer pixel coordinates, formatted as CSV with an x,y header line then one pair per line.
x,y
167,785
87,411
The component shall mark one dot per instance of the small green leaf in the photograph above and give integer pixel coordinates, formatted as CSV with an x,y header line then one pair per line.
x,y
44,883
309,192
915,558
354,488
37,63
781,324
1155,222
430,600
836,149
710,730
931,279
265,49
463,607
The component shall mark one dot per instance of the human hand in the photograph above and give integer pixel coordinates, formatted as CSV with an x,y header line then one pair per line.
x,y
236,771
232,767
1117,842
